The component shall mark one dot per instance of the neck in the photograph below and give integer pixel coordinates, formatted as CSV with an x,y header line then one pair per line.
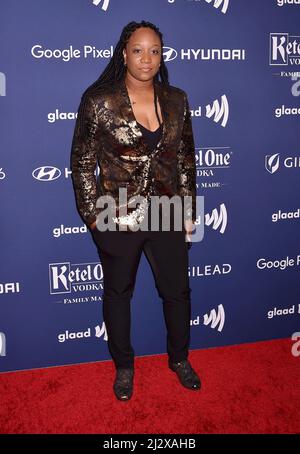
x,y
138,86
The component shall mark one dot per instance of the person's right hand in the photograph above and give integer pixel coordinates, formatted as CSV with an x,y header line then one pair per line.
x,y
93,226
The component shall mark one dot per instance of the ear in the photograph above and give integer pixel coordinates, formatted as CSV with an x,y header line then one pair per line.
x,y
124,55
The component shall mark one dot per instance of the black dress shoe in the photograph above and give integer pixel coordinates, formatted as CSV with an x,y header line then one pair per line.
x,y
123,384
186,374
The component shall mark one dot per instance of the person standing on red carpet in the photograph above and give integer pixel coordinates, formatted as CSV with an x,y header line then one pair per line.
x,y
138,128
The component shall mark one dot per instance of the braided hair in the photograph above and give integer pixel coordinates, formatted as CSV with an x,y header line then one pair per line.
x,y
116,69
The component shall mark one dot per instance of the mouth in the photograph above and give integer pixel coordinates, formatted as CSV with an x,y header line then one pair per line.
x,y
146,69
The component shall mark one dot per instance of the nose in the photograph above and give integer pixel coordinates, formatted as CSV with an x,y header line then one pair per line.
x,y
145,58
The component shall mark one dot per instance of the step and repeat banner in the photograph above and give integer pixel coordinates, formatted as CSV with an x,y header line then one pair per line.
x,y
239,63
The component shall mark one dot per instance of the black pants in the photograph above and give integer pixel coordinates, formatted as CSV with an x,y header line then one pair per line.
x,y
167,252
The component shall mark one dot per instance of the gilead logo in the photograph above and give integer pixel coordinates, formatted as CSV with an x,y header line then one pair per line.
x,y
2,344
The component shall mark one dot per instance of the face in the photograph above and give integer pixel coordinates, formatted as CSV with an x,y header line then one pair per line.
x,y
142,54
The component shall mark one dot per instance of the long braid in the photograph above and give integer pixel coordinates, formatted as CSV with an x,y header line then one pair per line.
x,y
115,69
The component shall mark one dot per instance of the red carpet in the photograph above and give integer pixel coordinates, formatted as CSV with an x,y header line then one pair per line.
x,y
249,388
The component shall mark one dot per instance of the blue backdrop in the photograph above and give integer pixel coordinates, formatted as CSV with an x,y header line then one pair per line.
x,y
239,62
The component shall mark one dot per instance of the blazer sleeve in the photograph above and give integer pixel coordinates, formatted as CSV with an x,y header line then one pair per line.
x,y
187,163
84,160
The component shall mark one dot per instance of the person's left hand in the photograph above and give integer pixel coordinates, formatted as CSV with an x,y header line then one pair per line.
x,y
188,225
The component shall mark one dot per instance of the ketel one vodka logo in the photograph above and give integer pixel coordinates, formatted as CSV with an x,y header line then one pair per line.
x,y
284,49
79,277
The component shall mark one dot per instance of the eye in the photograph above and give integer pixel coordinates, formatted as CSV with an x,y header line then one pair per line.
x,y
136,50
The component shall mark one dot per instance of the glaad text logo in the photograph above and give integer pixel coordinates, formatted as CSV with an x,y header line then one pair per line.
x,y
272,162
284,111
2,84
285,215
296,345
219,111
284,49
215,3
218,3
287,2
104,5
282,312
57,115
2,344
69,335
215,319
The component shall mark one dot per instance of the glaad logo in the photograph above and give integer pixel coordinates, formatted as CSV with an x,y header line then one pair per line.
x,y
284,49
286,111
104,5
284,215
218,3
54,116
64,230
169,53
2,344
272,162
296,345
215,4
218,220
287,311
2,84
215,319
101,331
219,111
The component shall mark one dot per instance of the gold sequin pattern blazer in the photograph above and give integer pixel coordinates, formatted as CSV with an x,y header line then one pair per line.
x,y
112,139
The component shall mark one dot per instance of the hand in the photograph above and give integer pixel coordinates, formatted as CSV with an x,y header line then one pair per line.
x,y
188,225
93,226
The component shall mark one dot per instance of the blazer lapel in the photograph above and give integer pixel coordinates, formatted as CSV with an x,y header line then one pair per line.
x,y
128,114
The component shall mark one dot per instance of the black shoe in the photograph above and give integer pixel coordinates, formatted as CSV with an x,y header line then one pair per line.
x,y
186,374
123,384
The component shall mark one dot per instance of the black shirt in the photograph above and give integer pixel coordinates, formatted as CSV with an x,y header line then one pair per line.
x,y
152,137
